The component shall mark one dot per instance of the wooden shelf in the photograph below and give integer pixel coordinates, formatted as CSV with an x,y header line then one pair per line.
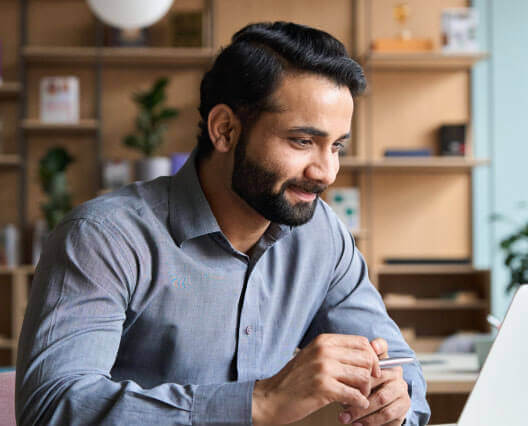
x,y
424,269
428,163
6,343
22,269
423,61
9,89
81,126
350,162
436,163
153,56
157,56
437,304
10,160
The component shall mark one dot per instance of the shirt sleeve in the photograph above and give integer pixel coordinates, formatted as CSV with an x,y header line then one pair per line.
x,y
354,306
71,335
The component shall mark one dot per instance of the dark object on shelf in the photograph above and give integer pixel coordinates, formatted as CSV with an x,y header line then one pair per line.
x,y
427,261
52,172
453,139
426,152
187,29
116,37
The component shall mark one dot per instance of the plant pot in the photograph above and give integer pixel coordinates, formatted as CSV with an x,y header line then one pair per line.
x,y
152,167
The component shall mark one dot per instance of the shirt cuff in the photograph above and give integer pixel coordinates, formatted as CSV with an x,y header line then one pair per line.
x,y
226,403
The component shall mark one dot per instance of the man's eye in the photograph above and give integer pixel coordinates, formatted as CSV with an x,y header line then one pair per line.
x,y
339,146
301,141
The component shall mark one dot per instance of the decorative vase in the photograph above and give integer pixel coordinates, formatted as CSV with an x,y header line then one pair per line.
x,y
152,167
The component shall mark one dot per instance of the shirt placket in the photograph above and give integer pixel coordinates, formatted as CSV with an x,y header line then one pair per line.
x,y
249,329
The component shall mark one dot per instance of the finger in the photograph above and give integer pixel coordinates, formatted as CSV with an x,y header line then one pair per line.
x,y
349,395
393,413
348,345
382,396
387,375
381,348
356,377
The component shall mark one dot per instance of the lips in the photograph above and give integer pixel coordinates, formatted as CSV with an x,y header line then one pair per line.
x,y
302,195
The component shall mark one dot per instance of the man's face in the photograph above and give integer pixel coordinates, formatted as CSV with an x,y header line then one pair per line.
x,y
289,157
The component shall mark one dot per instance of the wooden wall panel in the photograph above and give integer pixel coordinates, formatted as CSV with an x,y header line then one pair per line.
x,y
9,117
333,16
119,111
60,23
9,200
421,215
409,107
9,38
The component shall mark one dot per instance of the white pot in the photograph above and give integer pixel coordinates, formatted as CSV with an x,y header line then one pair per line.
x,y
152,167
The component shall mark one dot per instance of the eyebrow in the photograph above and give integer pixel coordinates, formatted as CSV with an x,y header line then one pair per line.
x,y
315,132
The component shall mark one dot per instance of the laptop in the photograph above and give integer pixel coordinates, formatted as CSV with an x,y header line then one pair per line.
x,y
500,394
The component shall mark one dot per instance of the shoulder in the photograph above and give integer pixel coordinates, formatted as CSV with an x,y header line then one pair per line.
x,y
128,206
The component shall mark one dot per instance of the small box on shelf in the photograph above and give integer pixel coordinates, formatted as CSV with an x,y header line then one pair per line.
x,y
345,202
59,100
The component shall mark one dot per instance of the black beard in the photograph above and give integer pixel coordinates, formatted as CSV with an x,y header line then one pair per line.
x,y
254,184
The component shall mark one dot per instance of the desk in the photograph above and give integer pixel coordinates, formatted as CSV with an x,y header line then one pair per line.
x,y
450,378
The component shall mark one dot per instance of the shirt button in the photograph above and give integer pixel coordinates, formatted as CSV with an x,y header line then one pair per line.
x,y
248,329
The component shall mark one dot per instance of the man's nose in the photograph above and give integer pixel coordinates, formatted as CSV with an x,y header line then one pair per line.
x,y
323,169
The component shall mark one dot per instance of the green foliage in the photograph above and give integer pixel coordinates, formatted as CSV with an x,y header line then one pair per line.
x,y
515,249
151,120
52,172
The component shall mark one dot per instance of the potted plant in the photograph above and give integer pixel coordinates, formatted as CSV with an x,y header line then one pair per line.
x,y
151,125
515,249
52,173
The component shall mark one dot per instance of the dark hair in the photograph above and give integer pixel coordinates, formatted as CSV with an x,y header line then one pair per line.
x,y
246,73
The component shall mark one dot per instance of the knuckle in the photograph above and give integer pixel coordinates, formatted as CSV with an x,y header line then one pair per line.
x,y
383,398
320,382
389,413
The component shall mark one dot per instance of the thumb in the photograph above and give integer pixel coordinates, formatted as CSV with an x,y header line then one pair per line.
x,y
380,347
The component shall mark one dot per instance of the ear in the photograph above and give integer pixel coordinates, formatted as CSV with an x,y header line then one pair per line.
x,y
224,127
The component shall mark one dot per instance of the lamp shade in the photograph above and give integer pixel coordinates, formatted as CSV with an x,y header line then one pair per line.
x,y
130,14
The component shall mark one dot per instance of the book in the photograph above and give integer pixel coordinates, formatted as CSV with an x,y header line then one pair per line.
x,y
459,30
59,100
408,152
345,202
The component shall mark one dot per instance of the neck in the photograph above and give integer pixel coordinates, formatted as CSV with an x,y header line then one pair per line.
x,y
239,222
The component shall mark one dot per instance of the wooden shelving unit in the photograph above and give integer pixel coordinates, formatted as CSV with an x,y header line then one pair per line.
x,y
10,160
422,61
9,89
129,56
34,125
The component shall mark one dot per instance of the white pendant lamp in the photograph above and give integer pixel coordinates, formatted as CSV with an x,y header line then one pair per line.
x,y
130,14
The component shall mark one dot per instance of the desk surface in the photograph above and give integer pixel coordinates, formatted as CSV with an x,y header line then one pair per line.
x,y
449,373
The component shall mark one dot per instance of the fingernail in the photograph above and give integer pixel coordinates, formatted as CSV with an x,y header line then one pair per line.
x,y
376,347
357,424
345,418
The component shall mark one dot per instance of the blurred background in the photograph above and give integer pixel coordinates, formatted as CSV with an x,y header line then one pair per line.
x,y
95,95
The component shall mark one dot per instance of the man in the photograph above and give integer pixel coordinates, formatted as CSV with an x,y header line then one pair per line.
x,y
181,300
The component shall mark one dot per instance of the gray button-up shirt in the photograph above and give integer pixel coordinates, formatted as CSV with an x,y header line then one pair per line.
x,y
141,311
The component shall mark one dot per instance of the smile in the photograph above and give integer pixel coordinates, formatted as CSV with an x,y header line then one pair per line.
x,y
303,196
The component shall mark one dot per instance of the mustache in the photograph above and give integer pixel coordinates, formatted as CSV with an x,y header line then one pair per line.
x,y
306,186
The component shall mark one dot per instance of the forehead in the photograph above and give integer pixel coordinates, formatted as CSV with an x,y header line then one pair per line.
x,y
308,99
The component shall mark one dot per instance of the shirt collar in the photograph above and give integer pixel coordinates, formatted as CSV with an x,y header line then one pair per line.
x,y
191,216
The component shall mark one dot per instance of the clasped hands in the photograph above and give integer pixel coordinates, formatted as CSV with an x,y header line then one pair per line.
x,y
334,368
